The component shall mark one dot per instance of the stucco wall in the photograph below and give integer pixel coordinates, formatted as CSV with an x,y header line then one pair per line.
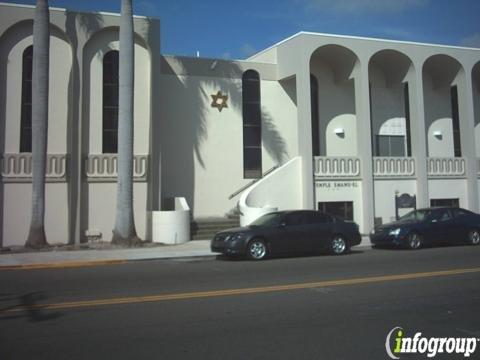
x,y
438,117
350,190
17,213
476,104
102,199
388,108
202,148
97,47
385,203
457,189
336,107
60,65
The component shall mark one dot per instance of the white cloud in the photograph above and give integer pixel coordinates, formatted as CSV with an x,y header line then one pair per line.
x,y
471,41
382,6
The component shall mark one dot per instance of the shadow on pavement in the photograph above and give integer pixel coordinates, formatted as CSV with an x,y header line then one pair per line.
x,y
287,256
25,305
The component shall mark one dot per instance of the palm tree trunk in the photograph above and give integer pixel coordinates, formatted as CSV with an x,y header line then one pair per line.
x,y
124,231
41,47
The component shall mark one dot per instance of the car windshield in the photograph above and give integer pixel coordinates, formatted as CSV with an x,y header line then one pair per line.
x,y
419,215
267,220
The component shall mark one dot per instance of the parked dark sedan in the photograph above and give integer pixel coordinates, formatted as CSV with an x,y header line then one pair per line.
x,y
429,226
300,231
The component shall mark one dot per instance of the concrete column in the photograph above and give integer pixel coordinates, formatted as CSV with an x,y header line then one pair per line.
x,y
364,143
419,137
304,130
467,138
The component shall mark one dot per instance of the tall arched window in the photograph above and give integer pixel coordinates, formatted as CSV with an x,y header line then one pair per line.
x,y
315,116
252,125
110,103
26,111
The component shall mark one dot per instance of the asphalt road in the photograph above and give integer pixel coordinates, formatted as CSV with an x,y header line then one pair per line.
x,y
319,307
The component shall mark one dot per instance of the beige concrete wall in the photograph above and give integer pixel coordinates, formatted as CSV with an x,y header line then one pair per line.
x,y
334,191
336,105
438,117
16,213
97,47
457,189
385,204
72,42
279,125
476,104
61,62
202,148
102,199
388,107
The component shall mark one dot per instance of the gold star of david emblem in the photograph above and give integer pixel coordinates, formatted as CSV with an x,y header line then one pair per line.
x,y
219,101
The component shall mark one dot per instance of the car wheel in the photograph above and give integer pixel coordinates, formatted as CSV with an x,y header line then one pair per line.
x,y
473,237
338,245
414,241
257,249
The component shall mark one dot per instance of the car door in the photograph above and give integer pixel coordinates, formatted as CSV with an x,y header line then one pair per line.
x,y
463,222
319,229
292,235
440,226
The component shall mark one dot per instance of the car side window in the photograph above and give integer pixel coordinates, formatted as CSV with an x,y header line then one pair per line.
x,y
441,215
318,218
295,219
459,213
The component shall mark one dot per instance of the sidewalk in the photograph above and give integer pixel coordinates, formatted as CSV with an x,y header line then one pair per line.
x,y
91,257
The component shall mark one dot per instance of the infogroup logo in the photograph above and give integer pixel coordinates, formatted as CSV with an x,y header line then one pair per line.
x,y
397,344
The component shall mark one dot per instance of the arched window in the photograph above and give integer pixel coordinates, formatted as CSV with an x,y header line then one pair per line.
x,y
315,116
110,103
457,147
26,111
252,125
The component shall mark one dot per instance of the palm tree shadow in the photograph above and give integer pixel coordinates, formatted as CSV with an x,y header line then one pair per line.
x,y
25,305
184,133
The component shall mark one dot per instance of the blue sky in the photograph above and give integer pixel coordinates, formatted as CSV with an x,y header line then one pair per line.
x,y
237,29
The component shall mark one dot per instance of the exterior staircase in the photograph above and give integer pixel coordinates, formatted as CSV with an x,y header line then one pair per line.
x,y
206,228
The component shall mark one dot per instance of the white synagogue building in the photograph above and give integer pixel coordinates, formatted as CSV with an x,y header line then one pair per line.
x,y
336,123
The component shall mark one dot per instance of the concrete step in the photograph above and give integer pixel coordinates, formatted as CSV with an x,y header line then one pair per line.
x,y
205,229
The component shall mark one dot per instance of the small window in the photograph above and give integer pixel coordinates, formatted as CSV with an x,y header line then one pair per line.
x,y
252,125
341,209
390,145
444,202
457,148
110,103
315,115
26,110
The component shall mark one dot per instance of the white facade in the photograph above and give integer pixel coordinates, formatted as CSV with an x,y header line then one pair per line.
x,y
381,116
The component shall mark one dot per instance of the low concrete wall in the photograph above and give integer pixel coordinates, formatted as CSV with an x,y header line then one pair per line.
x,y
172,226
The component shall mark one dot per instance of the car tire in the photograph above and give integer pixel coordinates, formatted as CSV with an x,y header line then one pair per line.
x,y
257,249
338,245
414,241
473,237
